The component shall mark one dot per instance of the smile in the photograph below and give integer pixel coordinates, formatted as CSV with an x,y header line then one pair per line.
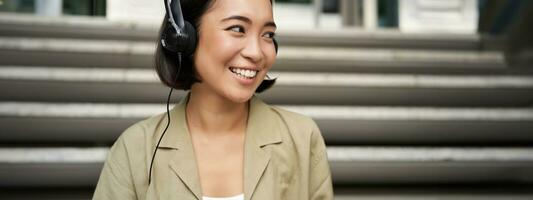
x,y
245,73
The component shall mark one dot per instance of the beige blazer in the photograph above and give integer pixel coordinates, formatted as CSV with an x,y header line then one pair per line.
x,y
284,158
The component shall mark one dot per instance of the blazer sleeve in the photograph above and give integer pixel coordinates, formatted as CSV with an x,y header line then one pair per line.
x,y
320,184
116,180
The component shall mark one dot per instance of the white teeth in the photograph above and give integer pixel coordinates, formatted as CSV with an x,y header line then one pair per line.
x,y
244,72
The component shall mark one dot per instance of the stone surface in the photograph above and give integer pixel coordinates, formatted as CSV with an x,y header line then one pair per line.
x,y
450,16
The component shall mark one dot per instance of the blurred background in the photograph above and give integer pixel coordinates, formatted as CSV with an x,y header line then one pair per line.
x,y
416,99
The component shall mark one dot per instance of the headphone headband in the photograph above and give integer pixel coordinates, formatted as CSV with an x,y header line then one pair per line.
x,y
175,15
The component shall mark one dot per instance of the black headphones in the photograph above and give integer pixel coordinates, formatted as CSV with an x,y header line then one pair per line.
x,y
179,37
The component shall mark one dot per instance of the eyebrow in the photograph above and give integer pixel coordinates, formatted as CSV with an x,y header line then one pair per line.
x,y
247,20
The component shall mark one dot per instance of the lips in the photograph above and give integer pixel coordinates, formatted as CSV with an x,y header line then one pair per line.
x,y
244,72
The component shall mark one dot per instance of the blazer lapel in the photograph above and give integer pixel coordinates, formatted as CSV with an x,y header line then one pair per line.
x,y
183,165
255,162
183,162
262,129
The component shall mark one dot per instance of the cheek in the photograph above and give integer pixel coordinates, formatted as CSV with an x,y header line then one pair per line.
x,y
214,51
221,44
270,56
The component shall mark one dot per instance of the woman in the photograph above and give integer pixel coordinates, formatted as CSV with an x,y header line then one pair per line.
x,y
222,142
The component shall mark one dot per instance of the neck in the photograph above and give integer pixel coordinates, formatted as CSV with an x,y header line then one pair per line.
x,y
209,113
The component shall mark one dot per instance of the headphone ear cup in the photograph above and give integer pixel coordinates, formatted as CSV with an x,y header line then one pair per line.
x,y
169,40
189,39
184,43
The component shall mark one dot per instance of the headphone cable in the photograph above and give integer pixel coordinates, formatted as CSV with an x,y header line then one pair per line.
x,y
168,119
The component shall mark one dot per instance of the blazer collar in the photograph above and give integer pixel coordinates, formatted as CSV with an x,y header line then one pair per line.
x,y
263,128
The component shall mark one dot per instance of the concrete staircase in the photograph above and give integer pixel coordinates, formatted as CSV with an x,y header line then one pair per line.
x,y
405,116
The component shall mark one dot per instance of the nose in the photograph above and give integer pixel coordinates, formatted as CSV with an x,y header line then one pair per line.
x,y
252,50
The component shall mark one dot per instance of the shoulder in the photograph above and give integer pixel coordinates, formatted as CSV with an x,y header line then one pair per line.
x,y
139,133
298,123
143,127
303,127
295,120
271,116
306,136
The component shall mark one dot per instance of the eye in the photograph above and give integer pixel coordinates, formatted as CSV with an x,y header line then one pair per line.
x,y
270,35
236,28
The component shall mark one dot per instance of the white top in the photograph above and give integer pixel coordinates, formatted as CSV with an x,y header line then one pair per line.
x,y
237,197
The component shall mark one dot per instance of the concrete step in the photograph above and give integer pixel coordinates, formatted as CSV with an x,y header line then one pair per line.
x,y
50,167
37,122
56,84
391,39
76,52
47,193
421,192
56,167
24,25
130,54
103,29
388,60
424,165
440,192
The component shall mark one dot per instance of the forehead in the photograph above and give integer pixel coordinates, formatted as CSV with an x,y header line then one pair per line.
x,y
256,10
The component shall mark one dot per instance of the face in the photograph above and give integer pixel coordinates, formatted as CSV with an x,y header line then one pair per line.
x,y
235,48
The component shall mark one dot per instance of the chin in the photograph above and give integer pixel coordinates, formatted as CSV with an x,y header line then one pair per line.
x,y
240,96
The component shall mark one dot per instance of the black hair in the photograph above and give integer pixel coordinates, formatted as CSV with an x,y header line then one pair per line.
x,y
166,61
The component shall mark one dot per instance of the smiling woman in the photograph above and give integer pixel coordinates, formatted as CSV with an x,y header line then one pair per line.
x,y
193,11
222,142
